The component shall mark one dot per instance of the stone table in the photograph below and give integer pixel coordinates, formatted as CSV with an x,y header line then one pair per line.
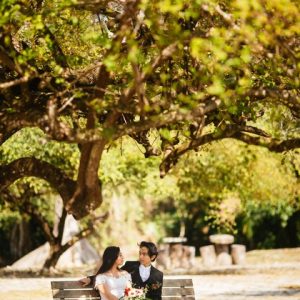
x,y
222,244
175,251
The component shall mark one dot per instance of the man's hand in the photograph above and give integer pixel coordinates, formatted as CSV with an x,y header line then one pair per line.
x,y
85,281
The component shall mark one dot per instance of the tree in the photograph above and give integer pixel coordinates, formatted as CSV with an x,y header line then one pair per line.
x,y
185,74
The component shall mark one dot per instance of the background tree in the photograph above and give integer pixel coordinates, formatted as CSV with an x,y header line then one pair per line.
x,y
239,189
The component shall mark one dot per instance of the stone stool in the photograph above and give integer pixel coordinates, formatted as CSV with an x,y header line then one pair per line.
x,y
208,255
238,254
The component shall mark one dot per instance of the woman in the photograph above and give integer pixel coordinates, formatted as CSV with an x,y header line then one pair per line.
x,y
110,281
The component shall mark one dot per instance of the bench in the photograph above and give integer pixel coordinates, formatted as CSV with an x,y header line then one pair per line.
x,y
173,289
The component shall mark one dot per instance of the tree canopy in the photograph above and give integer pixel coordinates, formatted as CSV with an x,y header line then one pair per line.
x,y
173,76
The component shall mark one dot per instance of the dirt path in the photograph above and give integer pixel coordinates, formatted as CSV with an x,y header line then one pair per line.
x,y
276,284
279,285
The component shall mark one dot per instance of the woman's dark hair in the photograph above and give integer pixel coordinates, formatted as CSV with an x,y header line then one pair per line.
x,y
109,257
152,250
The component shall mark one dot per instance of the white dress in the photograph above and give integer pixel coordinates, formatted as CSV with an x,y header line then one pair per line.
x,y
116,285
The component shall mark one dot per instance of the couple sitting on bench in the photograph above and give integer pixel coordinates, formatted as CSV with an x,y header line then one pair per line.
x,y
114,282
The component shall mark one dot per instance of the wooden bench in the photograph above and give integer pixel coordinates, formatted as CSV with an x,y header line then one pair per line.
x,y
173,289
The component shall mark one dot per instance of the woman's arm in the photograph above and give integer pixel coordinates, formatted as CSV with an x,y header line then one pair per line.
x,y
104,290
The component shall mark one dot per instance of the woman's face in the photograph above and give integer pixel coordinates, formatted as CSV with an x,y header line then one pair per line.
x,y
120,259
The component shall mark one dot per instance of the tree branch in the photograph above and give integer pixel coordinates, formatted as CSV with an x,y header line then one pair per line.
x,y
231,131
61,225
8,62
13,122
34,213
8,84
30,166
167,119
272,144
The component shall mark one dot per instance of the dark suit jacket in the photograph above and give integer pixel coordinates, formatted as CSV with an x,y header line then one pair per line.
x,y
153,283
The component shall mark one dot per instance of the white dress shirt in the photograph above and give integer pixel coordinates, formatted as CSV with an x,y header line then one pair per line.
x,y
144,272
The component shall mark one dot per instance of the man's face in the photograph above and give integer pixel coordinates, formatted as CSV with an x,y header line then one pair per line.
x,y
144,257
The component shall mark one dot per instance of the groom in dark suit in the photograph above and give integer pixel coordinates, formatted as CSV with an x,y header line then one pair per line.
x,y
143,274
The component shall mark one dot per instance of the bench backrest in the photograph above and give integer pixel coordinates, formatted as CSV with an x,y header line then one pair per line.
x,y
173,289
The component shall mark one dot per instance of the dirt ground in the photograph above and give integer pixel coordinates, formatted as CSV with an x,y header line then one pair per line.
x,y
268,275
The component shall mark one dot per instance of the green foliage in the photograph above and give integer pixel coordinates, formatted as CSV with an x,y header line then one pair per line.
x,y
133,193
124,164
7,217
32,142
242,53
228,180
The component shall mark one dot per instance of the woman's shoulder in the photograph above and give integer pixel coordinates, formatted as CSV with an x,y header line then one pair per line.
x,y
104,276
100,279
99,275
109,275
124,273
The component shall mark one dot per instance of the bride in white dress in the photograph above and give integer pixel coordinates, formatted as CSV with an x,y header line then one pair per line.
x,y
110,281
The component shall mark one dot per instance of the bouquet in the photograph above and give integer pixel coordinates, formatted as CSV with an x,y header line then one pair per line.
x,y
134,294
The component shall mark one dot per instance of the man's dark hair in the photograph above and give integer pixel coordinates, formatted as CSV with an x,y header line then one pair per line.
x,y
152,249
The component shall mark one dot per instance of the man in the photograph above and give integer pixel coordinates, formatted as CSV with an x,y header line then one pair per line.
x,y
143,274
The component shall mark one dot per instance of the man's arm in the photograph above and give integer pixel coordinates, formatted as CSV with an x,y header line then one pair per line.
x,y
130,266
88,280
